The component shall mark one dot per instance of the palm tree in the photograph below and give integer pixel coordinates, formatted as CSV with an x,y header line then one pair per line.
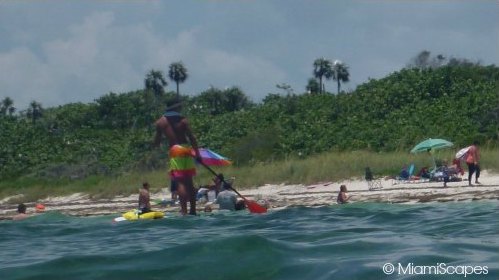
x,y
340,73
322,68
35,111
156,82
6,107
177,73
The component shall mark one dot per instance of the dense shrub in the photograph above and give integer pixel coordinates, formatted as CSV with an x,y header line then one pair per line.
x,y
459,103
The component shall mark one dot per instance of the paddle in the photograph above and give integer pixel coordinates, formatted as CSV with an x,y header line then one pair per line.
x,y
253,207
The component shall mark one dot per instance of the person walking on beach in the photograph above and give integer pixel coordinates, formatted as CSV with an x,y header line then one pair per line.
x,y
472,160
343,196
182,143
144,199
21,213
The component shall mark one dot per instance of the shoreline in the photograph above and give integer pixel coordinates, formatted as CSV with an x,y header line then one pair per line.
x,y
282,196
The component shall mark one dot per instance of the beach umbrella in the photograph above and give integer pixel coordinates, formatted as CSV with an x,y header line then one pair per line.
x,y
213,159
430,145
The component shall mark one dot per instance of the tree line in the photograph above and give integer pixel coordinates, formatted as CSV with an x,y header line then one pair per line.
x,y
454,101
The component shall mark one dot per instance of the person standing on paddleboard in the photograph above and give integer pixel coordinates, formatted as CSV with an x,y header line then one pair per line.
x,y
182,146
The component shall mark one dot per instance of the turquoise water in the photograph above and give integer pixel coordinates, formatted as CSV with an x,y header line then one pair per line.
x,y
337,242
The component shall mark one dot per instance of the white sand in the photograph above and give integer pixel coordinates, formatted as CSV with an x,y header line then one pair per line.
x,y
280,196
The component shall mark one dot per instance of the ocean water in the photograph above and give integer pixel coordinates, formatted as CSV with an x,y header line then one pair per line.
x,y
356,241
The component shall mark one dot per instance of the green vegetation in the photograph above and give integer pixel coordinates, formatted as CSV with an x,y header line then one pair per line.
x,y
104,147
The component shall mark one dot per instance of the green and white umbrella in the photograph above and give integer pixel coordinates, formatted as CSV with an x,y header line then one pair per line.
x,y
430,145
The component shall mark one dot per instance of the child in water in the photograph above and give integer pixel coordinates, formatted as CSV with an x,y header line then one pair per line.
x,y
343,196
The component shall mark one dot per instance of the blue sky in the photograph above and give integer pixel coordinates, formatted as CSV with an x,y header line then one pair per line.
x,y
56,52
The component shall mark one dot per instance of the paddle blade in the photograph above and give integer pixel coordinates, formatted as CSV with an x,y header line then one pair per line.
x,y
254,207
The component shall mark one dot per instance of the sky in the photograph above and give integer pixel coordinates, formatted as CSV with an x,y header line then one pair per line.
x,y
58,52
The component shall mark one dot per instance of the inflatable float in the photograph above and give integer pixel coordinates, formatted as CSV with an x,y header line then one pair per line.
x,y
135,215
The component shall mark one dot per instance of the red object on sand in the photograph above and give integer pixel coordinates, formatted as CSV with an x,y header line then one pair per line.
x,y
40,207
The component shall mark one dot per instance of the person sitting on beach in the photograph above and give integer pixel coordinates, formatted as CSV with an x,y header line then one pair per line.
x,y
144,199
343,196
21,213
456,165
446,172
404,174
208,194
214,189
226,199
424,173
201,194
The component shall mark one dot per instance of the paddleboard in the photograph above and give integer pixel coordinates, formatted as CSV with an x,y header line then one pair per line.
x,y
133,216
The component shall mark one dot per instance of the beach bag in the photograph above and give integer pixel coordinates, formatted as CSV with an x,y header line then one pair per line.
x,y
461,154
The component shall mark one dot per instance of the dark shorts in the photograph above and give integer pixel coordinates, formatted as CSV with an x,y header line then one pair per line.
x,y
145,210
173,186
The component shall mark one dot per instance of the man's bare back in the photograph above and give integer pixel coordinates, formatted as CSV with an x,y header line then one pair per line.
x,y
176,130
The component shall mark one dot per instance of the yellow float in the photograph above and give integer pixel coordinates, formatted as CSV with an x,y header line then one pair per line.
x,y
134,215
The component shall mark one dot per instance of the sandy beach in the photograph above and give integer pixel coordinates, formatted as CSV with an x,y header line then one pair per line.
x,y
281,196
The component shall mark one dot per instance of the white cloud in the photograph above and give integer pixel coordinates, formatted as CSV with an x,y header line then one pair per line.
x,y
249,72
93,50
23,75
216,67
98,56
76,68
